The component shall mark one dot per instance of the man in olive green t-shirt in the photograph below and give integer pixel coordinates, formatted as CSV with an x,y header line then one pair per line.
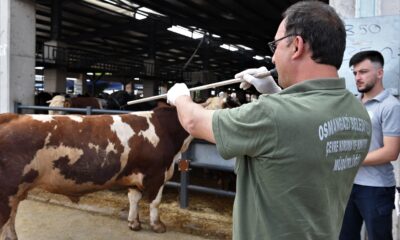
x,y
297,150
297,153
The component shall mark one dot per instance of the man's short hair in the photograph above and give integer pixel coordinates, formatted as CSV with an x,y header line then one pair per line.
x,y
321,27
372,55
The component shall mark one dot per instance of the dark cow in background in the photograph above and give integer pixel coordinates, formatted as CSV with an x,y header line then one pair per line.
x,y
77,154
83,102
41,99
118,101
74,102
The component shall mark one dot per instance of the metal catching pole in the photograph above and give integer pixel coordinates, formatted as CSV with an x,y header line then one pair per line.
x,y
207,86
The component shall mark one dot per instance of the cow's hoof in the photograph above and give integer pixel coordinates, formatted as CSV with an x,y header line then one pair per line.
x,y
158,227
135,226
9,238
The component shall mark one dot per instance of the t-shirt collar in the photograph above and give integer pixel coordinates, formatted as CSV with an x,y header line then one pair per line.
x,y
380,97
316,84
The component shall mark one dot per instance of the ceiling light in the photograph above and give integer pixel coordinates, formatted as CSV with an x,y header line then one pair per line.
x,y
197,35
140,16
229,47
244,47
148,10
258,57
185,32
113,6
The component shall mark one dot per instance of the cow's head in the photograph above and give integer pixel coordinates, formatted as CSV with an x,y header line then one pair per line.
x,y
214,103
56,101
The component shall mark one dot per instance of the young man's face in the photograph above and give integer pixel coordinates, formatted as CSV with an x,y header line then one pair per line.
x,y
367,74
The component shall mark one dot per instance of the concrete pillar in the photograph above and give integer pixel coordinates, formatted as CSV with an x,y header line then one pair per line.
x,y
17,53
80,84
345,8
55,77
55,80
148,88
388,7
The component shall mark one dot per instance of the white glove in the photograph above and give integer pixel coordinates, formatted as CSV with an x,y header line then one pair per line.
x,y
263,85
179,89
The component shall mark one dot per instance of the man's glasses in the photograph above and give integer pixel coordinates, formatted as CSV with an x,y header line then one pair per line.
x,y
272,45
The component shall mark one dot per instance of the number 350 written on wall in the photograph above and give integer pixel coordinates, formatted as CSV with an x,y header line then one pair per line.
x,y
363,29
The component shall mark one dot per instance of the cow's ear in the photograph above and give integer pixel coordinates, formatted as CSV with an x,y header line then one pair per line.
x,y
214,103
67,104
207,102
230,102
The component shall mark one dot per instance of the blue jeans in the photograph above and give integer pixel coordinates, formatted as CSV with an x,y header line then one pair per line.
x,y
374,205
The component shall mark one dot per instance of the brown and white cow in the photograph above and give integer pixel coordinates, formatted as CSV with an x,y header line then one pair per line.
x,y
73,155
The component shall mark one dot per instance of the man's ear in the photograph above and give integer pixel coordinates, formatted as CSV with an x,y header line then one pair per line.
x,y
298,47
380,73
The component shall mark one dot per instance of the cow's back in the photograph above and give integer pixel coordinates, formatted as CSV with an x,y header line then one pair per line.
x,y
83,102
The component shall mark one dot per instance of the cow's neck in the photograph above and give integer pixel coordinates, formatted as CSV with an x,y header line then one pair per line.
x,y
168,117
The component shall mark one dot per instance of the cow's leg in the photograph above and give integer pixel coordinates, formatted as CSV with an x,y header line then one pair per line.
x,y
155,222
8,230
134,196
4,221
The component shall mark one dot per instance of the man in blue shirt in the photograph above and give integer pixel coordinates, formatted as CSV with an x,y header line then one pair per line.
x,y
372,197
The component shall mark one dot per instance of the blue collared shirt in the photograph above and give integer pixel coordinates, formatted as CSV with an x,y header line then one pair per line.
x,y
384,111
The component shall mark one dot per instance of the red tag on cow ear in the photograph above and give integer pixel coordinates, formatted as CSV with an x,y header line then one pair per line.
x,y
183,165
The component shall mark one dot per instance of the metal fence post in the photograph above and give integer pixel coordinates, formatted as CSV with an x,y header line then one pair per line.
x,y
88,110
16,107
184,170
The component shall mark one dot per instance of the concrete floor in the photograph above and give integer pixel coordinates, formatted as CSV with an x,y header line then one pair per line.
x,y
38,220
